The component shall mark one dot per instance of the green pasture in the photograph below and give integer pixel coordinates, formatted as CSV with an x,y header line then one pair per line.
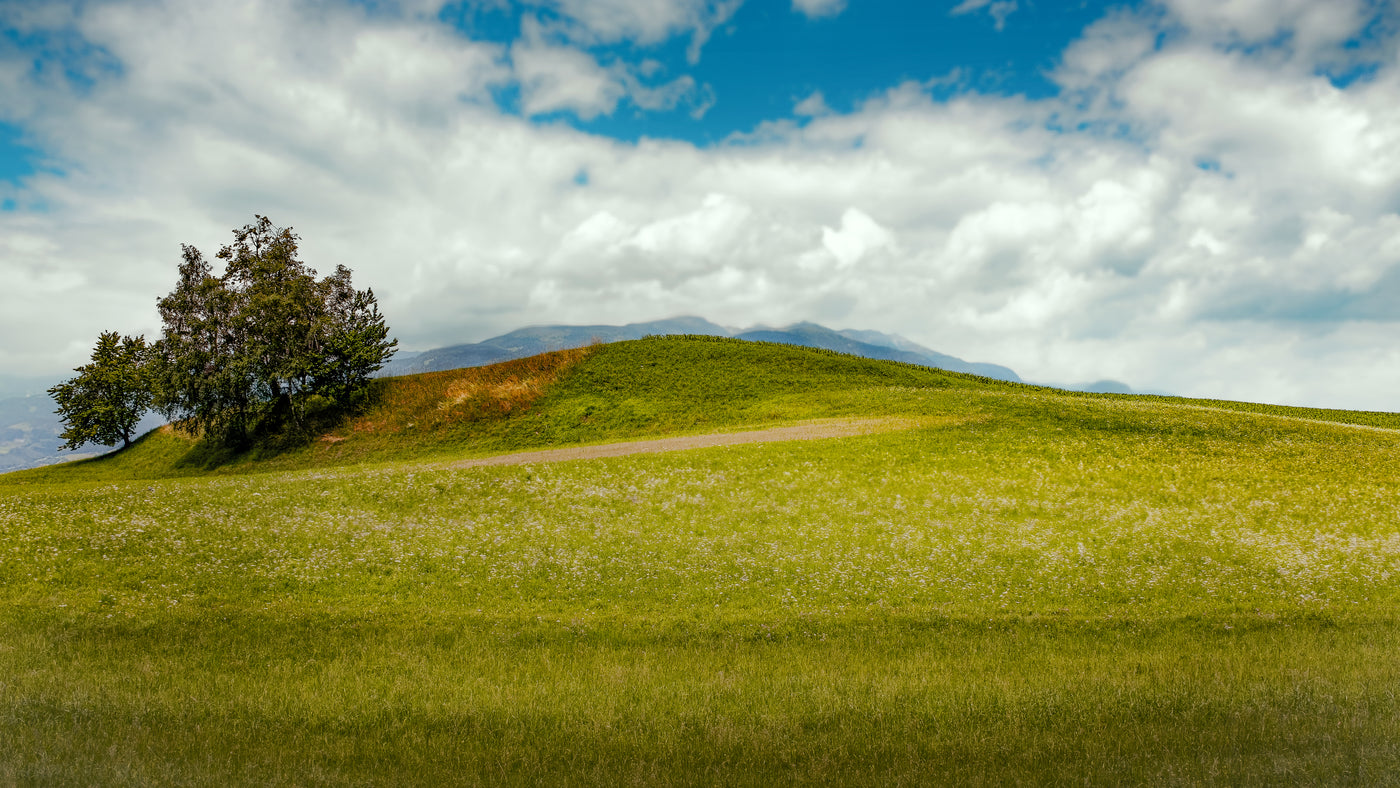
x,y
1027,586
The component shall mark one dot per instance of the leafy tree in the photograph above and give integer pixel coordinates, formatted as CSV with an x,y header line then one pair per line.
x,y
353,342
198,370
253,347
107,398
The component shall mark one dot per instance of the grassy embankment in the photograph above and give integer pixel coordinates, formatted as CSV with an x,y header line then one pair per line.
x,y
1031,586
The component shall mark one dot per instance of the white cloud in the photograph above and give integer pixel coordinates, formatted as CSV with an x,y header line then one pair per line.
x,y
1221,106
557,77
999,10
817,9
814,104
1194,217
859,235
644,22
1310,25
1105,50
696,233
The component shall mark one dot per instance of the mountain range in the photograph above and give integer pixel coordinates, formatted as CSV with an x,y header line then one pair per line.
x,y
542,339
30,434
29,429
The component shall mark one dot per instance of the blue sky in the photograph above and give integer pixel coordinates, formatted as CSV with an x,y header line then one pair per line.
x,y
766,57
756,65
15,159
1200,196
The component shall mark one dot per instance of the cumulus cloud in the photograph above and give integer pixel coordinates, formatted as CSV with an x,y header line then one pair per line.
x,y
1191,214
643,22
817,9
1306,27
814,104
857,236
556,77
999,10
1104,51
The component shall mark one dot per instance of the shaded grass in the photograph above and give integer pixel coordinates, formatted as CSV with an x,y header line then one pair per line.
x,y
271,702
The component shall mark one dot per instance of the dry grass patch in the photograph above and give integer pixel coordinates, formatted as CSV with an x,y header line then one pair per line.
x,y
436,399
505,394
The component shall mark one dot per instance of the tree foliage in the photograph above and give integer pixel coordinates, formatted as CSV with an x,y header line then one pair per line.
x,y
106,399
255,346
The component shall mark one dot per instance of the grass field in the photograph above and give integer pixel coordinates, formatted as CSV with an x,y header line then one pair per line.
x,y
1029,586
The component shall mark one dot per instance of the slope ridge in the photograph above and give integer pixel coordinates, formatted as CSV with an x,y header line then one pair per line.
x,y
542,339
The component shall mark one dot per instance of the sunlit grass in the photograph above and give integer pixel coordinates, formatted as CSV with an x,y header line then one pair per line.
x,y
1031,587
1070,513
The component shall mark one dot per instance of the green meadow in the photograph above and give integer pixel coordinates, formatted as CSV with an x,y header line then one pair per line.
x,y
1018,586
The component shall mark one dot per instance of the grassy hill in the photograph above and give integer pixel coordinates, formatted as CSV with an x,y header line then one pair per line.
x,y
651,387
1026,586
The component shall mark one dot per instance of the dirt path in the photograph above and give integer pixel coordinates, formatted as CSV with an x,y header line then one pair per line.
x,y
826,428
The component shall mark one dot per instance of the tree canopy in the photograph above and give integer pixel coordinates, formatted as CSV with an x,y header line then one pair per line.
x,y
253,348
106,399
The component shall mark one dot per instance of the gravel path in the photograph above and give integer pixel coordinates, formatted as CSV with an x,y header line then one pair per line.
x,y
827,428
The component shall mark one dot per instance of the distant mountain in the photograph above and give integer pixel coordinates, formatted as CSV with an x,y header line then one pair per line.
x,y
30,430
20,386
1102,387
541,339
1111,387
873,344
534,340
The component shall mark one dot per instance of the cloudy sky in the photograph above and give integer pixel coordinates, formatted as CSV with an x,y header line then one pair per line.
x,y
1199,196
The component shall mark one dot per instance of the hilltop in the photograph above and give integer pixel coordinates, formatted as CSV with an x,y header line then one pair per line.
x,y
661,385
29,428
637,388
543,339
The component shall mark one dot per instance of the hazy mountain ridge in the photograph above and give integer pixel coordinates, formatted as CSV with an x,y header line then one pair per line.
x,y
18,425
30,434
541,339
533,340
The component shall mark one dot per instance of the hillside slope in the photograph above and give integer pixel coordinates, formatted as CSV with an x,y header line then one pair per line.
x,y
29,429
666,385
639,388
543,339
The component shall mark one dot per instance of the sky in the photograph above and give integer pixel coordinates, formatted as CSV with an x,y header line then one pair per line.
x,y
1194,196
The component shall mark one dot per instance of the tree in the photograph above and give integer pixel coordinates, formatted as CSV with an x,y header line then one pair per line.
x,y
253,347
353,339
107,398
193,375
